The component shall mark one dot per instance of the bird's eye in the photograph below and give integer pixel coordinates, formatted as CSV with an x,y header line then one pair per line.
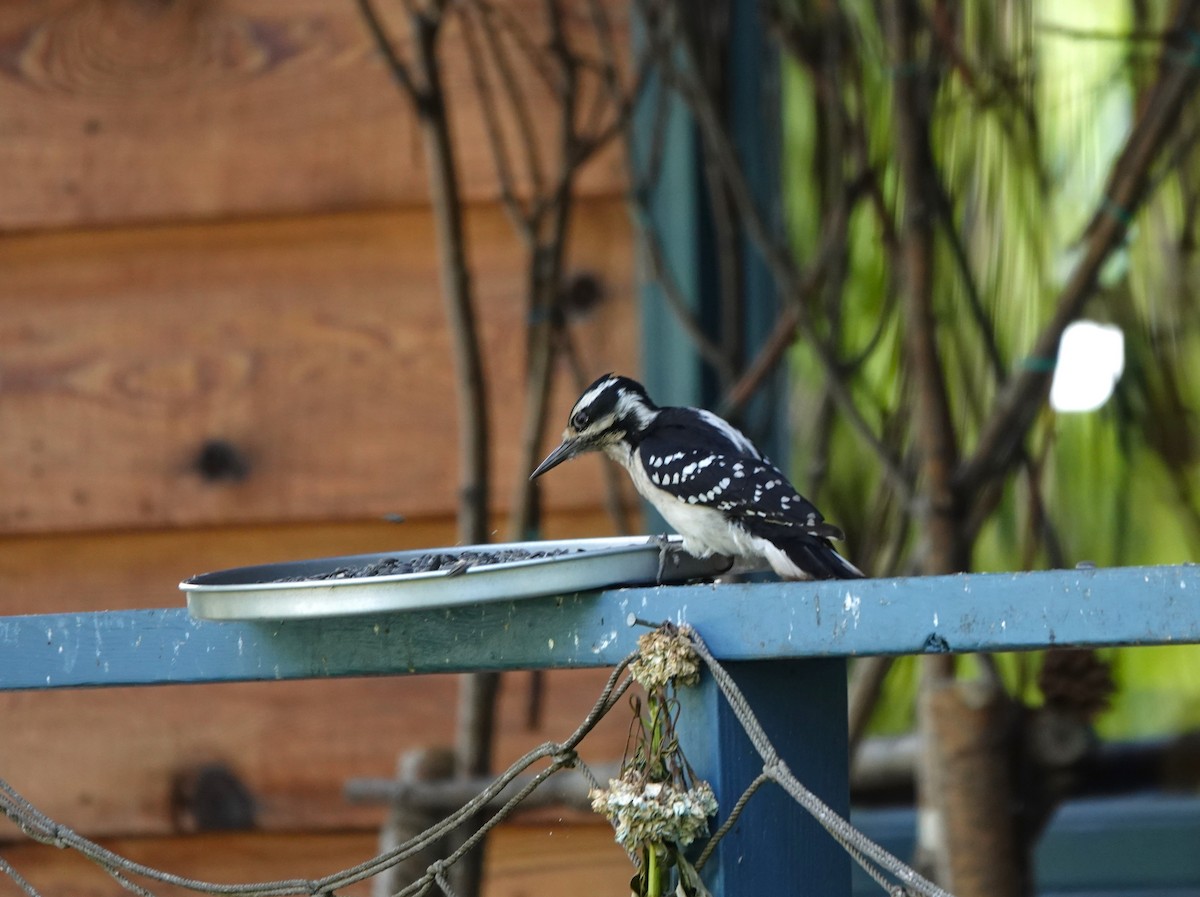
x,y
580,420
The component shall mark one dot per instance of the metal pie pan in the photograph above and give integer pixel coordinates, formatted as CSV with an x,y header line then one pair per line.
x,y
256,593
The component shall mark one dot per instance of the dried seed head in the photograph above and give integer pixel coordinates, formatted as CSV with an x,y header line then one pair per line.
x,y
653,814
665,656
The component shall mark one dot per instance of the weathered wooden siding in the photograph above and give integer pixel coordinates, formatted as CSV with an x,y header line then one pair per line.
x,y
119,111
522,861
214,228
314,346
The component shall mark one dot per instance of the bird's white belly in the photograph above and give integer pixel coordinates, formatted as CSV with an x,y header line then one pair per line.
x,y
705,530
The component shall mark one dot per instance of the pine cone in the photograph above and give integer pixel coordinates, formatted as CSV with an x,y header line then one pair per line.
x,y
1076,681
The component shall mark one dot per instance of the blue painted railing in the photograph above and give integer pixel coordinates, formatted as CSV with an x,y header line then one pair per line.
x,y
752,621
785,643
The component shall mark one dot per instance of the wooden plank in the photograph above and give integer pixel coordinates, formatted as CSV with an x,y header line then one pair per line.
x,y
118,111
106,762
141,569
522,861
316,347
533,862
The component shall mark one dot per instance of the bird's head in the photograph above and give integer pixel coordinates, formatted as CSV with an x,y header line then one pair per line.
x,y
609,414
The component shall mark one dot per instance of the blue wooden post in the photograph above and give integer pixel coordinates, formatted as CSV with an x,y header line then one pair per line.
x,y
776,847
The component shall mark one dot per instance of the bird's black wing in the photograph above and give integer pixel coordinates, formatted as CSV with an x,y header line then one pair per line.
x,y
742,486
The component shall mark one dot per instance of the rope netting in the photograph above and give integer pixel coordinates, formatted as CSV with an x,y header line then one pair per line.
x,y
662,662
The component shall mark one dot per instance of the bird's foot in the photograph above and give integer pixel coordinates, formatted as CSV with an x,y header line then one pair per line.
x,y
664,553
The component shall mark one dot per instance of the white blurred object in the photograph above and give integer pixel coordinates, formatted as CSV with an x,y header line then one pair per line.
x,y
1091,358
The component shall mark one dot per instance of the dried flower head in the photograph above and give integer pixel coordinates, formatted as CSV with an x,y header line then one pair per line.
x,y
664,656
653,814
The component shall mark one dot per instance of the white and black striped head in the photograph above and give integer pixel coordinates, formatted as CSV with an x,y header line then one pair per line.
x,y
608,417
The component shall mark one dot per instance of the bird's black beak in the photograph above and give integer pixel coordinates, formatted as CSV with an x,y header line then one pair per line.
x,y
571,446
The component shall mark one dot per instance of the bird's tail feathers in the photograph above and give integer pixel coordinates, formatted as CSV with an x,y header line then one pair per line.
x,y
818,559
826,530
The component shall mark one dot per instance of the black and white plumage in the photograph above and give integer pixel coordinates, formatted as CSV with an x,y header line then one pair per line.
x,y
706,479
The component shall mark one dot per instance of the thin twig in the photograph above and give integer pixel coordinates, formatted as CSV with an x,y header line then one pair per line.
x,y
383,43
545,279
1096,34
519,104
866,686
934,434
504,21
516,210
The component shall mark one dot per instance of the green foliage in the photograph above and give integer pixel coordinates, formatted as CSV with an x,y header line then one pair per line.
x,y
1032,107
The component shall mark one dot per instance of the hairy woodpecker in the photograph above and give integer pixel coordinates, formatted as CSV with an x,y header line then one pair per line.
x,y
706,479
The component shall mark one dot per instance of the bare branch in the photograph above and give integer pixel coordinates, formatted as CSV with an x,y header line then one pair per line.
x,y
495,134
1095,34
504,21
661,274
545,274
865,689
935,439
518,102
383,43
991,347
422,84
777,342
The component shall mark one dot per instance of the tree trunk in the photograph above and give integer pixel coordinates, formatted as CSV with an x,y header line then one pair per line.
x,y
973,724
